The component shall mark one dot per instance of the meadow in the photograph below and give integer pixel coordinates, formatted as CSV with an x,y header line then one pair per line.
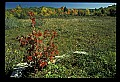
x,y
92,34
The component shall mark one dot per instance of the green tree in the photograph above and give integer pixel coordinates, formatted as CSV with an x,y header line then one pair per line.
x,y
78,12
7,14
112,12
19,7
81,12
103,11
24,15
65,9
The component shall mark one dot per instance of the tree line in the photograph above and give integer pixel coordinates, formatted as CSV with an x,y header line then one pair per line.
x,y
22,13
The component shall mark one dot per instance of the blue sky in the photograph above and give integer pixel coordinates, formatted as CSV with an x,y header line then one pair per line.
x,y
84,5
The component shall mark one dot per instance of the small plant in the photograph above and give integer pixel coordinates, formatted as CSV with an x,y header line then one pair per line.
x,y
40,46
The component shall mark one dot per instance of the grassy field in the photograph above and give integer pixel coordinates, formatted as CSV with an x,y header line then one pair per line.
x,y
94,35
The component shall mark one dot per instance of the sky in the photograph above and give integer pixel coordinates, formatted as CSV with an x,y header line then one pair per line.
x,y
83,5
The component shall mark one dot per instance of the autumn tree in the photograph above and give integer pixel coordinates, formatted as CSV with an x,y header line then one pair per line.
x,y
68,12
87,12
80,12
43,11
74,12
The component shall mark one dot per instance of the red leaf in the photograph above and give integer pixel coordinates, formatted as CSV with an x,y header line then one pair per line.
x,y
52,52
29,58
31,13
35,40
36,36
28,38
39,41
45,32
51,57
35,54
45,48
39,33
56,52
43,64
52,44
54,33
40,53
39,61
46,53
52,37
33,22
33,19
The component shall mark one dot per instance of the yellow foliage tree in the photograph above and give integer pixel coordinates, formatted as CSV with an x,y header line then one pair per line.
x,y
87,12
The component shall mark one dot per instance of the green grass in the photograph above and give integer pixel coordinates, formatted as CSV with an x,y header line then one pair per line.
x,y
95,35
